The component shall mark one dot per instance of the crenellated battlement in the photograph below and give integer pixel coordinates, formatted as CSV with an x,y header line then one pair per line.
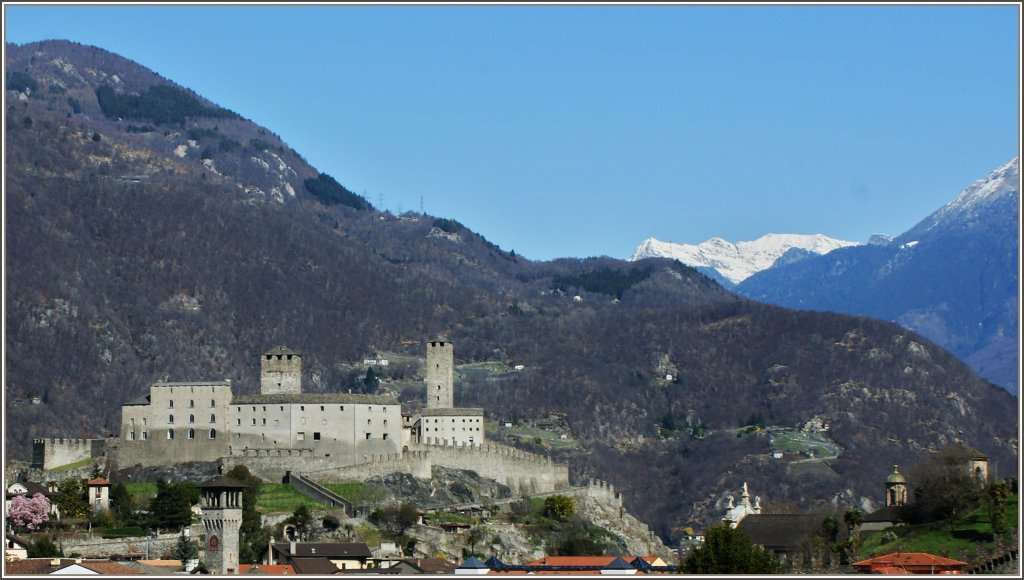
x,y
48,453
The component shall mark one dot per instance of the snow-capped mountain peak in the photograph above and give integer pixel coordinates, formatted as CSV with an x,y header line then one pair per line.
x,y
736,262
998,184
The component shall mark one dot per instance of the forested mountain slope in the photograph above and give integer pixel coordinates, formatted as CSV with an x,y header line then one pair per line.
x,y
148,247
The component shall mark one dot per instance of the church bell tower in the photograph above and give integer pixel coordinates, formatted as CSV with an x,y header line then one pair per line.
x,y
221,500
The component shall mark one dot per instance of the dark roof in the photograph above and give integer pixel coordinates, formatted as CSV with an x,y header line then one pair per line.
x,y
783,532
336,550
890,513
457,411
319,566
434,565
222,481
31,488
313,398
618,564
472,562
959,448
493,562
143,400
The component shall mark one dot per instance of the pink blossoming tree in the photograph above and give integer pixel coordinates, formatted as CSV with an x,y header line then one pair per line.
x,y
29,512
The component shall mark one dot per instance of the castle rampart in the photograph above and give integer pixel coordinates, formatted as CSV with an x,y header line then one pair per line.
x,y
54,452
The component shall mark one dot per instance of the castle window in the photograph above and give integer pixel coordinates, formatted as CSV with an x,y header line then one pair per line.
x,y
213,433
316,435
264,420
367,435
264,408
170,404
342,407
254,408
213,403
302,407
238,422
145,435
191,404
321,408
131,435
170,433
301,436
213,418
254,420
369,421
238,409
143,421
385,436
170,418
281,408
385,422
191,433
191,418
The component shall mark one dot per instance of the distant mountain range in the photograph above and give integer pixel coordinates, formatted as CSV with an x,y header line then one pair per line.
x,y
953,277
731,263
152,235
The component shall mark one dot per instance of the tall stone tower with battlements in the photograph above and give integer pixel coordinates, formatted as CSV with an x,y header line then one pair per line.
x,y
440,375
280,372
221,501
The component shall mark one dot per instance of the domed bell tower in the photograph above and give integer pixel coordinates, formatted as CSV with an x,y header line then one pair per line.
x,y
221,501
895,488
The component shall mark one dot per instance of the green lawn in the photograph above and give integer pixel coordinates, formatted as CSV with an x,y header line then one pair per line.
x,y
357,492
936,538
277,498
75,465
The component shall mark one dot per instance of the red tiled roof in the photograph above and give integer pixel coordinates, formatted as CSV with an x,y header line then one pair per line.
x,y
108,568
99,481
908,561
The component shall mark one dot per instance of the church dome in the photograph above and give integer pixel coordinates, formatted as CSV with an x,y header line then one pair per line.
x,y
895,476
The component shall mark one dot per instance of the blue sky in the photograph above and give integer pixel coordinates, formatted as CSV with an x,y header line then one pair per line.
x,y
576,131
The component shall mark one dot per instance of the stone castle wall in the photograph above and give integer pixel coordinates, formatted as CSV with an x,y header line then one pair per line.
x,y
54,452
524,473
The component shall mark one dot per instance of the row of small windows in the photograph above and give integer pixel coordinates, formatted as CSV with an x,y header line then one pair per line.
x,y
453,428
323,408
170,434
453,420
191,419
191,403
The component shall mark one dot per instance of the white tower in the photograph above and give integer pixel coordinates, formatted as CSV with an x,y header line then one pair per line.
x,y
440,375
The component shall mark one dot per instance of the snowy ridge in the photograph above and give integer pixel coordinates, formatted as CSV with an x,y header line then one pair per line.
x,y
737,262
1002,181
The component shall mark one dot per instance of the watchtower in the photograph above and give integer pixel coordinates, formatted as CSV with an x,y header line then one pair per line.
x,y
221,500
895,488
280,372
440,375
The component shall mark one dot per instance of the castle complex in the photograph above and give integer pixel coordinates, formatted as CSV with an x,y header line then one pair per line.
x,y
335,435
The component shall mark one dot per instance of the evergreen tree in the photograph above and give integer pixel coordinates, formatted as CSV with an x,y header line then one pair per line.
x,y
171,509
186,549
728,551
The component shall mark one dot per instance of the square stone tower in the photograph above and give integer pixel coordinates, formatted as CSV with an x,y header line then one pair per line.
x,y
221,501
440,375
280,372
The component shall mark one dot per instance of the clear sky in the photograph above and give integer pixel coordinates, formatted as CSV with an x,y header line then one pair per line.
x,y
576,131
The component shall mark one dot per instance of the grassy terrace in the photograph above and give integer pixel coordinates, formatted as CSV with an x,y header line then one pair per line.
x,y
969,533
75,465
